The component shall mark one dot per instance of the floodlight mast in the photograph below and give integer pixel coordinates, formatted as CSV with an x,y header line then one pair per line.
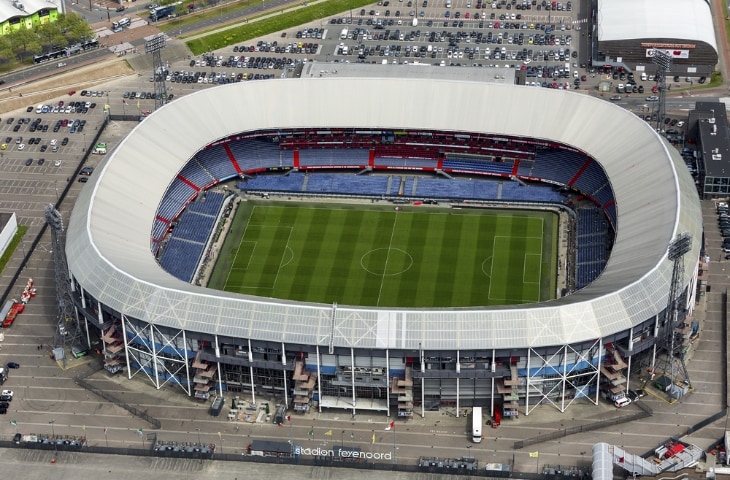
x,y
673,363
69,331
663,61
154,45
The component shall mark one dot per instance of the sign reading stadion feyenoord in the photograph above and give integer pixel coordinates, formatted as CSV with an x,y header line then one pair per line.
x,y
343,453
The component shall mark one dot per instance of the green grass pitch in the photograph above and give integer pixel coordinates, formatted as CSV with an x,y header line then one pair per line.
x,y
376,256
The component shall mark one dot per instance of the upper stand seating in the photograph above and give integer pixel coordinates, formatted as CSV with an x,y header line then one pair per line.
x,y
216,161
557,165
253,154
355,157
177,195
468,164
193,172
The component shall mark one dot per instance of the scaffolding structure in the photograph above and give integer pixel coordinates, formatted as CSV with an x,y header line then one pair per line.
x,y
68,328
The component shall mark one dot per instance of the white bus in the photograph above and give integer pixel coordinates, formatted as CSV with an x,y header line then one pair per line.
x,y
476,425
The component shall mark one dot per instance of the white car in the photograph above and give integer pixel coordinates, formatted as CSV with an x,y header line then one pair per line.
x,y
622,402
57,163
652,98
53,142
21,146
680,124
9,393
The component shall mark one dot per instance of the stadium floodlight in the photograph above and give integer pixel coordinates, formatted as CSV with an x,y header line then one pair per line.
x,y
663,61
154,45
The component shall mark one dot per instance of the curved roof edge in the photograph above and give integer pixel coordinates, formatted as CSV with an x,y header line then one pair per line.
x,y
115,264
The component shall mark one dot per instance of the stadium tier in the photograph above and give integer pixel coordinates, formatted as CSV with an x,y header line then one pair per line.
x,y
153,318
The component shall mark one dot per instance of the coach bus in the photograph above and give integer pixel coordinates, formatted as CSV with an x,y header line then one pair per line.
x,y
160,13
476,425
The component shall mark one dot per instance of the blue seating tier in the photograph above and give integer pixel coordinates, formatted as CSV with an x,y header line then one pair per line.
x,y
356,157
406,162
293,182
216,161
557,165
158,229
347,184
473,165
255,154
194,172
209,204
513,191
591,239
181,258
177,195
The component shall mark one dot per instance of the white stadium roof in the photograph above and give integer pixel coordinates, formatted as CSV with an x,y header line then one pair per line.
x,y
686,20
108,240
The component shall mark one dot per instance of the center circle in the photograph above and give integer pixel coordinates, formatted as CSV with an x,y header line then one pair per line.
x,y
385,262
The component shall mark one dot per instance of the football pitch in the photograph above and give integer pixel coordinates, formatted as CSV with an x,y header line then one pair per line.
x,y
382,256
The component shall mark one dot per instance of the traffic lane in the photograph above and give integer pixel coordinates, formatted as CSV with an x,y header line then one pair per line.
x,y
43,70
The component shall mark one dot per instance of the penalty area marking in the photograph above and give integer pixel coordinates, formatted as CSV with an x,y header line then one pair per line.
x,y
524,268
287,256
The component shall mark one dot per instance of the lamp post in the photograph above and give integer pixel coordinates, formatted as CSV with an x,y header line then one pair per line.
x,y
55,446
200,448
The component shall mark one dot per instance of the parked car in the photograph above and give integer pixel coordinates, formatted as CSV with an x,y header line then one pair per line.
x,y
622,402
634,395
13,365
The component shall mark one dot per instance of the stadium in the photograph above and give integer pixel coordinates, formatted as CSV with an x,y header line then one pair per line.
x,y
160,210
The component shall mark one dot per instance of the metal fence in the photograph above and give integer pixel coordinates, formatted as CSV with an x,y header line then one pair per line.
x,y
564,432
230,457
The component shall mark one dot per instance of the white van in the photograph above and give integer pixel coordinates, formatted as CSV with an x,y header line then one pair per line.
x,y
643,76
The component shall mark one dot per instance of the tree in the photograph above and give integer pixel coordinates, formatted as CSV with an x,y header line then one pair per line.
x,y
25,42
6,50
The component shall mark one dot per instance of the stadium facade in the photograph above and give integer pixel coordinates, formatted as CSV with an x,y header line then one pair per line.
x,y
628,33
401,361
17,14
